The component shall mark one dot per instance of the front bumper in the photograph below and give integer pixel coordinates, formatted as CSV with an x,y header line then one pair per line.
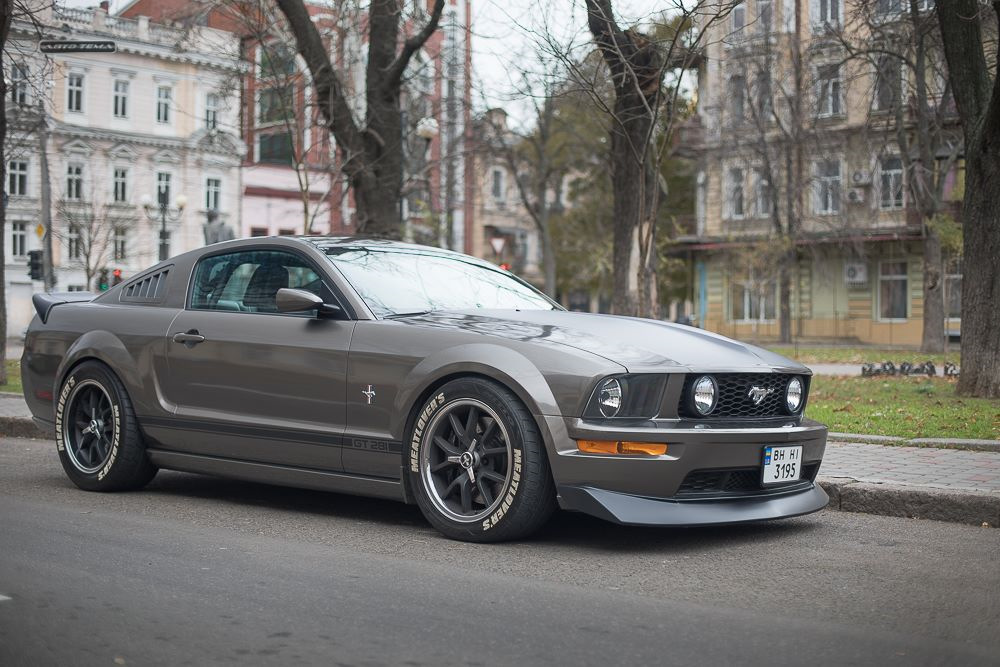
x,y
651,490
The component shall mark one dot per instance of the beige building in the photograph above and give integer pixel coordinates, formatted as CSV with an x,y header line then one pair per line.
x,y
854,260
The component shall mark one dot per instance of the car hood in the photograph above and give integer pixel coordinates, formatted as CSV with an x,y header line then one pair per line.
x,y
640,345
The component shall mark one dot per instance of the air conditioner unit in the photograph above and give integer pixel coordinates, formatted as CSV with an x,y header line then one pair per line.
x,y
856,273
861,177
856,196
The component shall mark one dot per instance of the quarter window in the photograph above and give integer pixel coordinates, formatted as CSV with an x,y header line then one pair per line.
x,y
893,290
248,282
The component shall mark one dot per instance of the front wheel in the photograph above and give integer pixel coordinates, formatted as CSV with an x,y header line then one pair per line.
x,y
477,464
97,433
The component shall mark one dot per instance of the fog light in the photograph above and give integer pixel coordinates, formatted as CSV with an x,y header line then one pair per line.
x,y
619,447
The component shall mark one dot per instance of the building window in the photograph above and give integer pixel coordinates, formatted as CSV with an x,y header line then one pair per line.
x,y
18,239
893,291
275,148
275,105
212,104
17,178
74,182
827,12
286,232
735,199
737,99
753,300
74,92
739,18
828,90
119,185
120,99
163,188
762,194
828,187
764,14
953,290
276,60
258,231
888,83
73,246
888,7
19,84
497,188
163,99
762,95
891,183
213,194
120,245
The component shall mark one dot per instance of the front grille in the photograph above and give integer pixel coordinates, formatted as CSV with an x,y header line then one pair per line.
x,y
734,395
737,481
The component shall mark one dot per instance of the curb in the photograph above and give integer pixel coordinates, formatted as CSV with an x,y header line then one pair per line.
x,y
22,427
847,495
940,443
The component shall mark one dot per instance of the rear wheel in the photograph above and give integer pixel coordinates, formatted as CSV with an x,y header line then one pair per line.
x,y
478,466
97,433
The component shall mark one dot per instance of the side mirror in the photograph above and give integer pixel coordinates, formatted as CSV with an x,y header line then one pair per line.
x,y
299,300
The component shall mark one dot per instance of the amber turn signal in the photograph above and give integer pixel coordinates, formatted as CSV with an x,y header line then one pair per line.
x,y
619,447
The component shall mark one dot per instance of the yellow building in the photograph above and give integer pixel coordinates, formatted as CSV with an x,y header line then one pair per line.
x,y
795,129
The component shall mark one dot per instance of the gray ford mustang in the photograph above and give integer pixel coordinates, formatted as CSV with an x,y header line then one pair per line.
x,y
384,369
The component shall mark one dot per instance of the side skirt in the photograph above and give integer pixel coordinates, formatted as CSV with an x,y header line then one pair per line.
x,y
267,473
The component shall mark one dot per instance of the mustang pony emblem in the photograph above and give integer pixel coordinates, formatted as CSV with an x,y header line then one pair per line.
x,y
758,394
369,394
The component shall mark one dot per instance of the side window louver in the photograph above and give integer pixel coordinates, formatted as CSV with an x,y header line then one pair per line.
x,y
147,289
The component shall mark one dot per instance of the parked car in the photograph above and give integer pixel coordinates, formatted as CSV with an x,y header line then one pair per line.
x,y
384,369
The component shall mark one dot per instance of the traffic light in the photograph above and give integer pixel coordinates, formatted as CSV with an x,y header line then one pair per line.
x,y
102,280
116,277
35,269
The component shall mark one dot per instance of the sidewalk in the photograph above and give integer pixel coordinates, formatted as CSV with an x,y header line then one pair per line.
x,y
923,482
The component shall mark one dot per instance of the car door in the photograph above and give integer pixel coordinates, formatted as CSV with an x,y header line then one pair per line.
x,y
248,382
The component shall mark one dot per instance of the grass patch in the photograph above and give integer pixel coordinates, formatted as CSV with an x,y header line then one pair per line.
x,y
861,355
908,407
13,377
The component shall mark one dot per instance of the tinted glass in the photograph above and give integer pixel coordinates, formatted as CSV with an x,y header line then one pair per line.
x,y
398,281
249,281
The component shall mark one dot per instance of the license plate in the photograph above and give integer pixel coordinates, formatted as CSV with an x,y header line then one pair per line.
x,y
782,464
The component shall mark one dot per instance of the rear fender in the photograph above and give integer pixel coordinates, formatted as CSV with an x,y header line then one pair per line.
x,y
107,348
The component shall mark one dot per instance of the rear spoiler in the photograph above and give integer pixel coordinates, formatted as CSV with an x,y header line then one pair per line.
x,y
44,302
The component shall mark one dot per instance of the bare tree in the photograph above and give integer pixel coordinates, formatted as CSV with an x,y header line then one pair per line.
x,y
89,229
372,147
913,116
977,96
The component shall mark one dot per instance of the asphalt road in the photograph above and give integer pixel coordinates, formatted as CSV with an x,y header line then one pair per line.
x,y
196,570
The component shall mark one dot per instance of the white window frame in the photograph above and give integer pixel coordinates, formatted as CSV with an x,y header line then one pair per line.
x,y
18,239
893,175
738,23
827,198
826,13
749,294
18,176
75,172
498,186
163,177
829,92
905,277
120,176
732,185
213,105
213,191
762,200
164,111
119,243
73,249
20,91
899,92
764,25
76,92
120,98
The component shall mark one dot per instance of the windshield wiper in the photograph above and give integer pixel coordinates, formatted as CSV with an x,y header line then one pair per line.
x,y
413,314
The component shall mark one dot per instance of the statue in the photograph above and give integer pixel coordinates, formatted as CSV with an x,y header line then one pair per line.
x,y
217,231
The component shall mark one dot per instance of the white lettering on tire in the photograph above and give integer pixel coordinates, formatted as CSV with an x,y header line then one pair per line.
x,y
418,431
515,482
60,408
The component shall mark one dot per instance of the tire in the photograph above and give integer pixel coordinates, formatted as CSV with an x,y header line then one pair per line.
x,y
477,464
97,433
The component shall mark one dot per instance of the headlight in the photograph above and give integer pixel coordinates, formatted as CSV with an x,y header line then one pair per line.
x,y
793,395
704,393
609,397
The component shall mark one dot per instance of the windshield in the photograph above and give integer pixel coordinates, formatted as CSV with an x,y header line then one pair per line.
x,y
401,281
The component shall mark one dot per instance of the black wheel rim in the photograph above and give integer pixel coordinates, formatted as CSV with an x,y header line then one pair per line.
x,y
89,427
466,461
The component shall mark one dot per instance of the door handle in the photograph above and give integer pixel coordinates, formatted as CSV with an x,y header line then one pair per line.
x,y
190,338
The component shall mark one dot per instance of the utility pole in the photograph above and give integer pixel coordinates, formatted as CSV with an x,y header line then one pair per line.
x,y
46,196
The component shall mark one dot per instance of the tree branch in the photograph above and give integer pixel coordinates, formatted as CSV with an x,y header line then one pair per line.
x,y
411,45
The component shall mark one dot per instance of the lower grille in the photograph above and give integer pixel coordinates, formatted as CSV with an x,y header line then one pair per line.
x,y
737,482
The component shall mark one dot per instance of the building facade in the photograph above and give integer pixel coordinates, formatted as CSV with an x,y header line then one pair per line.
x,y
155,121
802,192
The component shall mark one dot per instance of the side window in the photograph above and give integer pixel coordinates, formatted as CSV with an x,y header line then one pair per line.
x,y
249,281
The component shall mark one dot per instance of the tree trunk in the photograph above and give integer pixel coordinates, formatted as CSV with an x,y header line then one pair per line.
x,y
548,257
785,296
933,337
981,280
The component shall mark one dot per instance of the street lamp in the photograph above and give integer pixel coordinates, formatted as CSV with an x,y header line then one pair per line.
x,y
163,212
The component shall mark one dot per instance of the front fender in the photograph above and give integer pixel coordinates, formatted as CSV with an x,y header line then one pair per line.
x,y
506,366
